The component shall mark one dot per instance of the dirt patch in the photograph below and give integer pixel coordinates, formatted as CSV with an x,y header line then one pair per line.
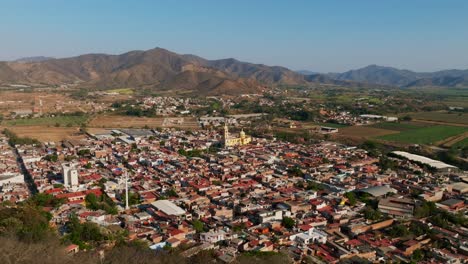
x,y
47,134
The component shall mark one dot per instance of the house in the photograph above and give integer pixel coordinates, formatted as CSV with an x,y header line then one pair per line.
x,y
400,207
213,236
312,235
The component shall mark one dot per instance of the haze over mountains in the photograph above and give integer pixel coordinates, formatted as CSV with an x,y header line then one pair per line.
x,y
404,78
162,69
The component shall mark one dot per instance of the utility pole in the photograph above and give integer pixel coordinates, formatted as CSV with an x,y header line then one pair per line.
x,y
126,191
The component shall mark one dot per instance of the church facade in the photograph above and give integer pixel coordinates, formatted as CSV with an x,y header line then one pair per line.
x,y
230,141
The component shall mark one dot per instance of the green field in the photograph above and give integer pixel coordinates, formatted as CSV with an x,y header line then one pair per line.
x,y
49,121
402,126
334,125
123,91
425,135
461,144
442,116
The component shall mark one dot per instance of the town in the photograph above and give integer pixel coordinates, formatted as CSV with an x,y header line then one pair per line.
x,y
233,193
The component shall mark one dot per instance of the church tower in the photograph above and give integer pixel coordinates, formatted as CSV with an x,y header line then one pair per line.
x,y
226,134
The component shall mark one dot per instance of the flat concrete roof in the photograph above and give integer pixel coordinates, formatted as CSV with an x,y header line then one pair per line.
x,y
168,207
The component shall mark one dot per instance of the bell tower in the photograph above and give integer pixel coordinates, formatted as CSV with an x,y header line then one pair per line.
x,y
226,134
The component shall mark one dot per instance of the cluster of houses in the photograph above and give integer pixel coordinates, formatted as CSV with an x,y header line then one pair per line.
x,y
12,185
173,188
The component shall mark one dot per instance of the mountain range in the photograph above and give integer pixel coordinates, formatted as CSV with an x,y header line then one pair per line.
x,y
404,78
161,69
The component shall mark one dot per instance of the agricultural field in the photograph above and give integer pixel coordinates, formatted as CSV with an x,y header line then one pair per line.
x,y
117,121
425,135
400,126
442,116
461,144
364,132
43,102
65,121
47,134
123,91
334,125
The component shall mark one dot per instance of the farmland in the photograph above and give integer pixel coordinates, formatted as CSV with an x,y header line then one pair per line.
x,y
332,125
123,91
47,134
442,116
50,121
364,132
117,121
461,144
402,126
425,135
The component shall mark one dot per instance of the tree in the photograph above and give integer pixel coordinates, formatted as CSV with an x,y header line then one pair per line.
x,y
45,200
372,214
198,226
171,193
288,222
406,118
133,198
417,255
352,199
92,201
398,231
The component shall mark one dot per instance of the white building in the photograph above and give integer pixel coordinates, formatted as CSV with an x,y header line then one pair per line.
x,y
270,216
310,236
70,175
212,236
11,178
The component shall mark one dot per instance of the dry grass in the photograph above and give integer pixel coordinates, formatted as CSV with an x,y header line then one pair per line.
x,y
45,101
47,134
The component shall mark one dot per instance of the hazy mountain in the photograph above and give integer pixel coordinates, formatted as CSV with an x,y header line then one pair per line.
x,y
161,69
306,72
34,59
157,68
404,78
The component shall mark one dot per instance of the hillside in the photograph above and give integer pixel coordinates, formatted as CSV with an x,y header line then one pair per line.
x,y
156,68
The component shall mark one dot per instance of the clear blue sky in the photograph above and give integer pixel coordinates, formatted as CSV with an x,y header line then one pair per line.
x,y
318,35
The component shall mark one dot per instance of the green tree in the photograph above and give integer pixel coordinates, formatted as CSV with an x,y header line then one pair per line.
x,y
288,222
92,201
352,199
198,226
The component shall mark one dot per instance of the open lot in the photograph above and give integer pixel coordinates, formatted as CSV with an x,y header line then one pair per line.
x,y
47,134
44,102
425,135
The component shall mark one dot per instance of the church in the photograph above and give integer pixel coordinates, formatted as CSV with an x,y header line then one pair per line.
x,y
229,141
